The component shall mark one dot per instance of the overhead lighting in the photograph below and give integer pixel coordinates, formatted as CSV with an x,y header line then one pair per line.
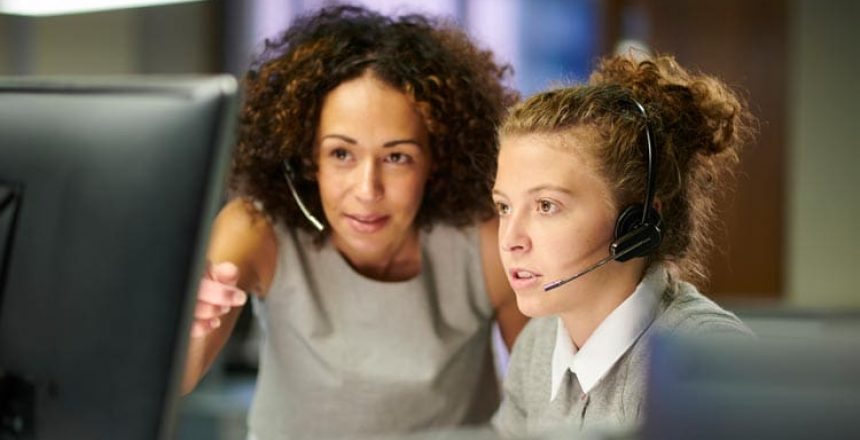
x,y
63,7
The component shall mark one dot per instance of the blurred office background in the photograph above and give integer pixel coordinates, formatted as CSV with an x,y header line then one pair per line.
x,y
790,249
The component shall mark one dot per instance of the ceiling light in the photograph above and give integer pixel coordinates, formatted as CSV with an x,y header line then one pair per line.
x,y
63,7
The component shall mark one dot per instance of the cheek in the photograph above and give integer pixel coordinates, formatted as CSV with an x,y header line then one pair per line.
x,y
569,242
558,242
591,240
331,186
408,190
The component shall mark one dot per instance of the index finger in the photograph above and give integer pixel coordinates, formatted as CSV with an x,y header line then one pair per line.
x,y
220,294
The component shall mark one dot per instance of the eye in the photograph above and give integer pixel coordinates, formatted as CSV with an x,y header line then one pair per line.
x,y
340,154
399,158
502,208
545,206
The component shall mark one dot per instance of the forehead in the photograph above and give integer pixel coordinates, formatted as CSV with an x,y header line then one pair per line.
x,y
566,160
368,108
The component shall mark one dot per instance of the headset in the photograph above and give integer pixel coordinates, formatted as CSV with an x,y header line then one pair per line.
x,y
289,175
638,229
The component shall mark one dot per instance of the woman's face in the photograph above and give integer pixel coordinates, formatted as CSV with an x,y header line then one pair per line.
x,y
556,219
373,162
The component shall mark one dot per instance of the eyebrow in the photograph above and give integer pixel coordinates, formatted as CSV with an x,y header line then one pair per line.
x,y
346,139
388,144
540,188
555,188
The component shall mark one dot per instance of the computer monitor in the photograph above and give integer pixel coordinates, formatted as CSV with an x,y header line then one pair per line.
x,y
768,388
107,191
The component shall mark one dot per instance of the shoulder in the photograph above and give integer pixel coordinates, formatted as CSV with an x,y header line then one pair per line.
x,y
241,225
686,310
536,342
448,238
470,239
243,217
477,245
453,247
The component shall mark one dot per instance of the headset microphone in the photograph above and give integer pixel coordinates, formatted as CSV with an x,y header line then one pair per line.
x,y
613,255
638,230
289,175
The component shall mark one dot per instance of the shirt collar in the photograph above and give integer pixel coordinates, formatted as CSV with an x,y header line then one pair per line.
x,y
611,339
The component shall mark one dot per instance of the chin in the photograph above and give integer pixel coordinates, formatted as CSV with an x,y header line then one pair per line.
x,y
534,304
365,245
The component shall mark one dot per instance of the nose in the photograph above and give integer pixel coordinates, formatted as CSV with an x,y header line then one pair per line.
x,y
369,187
513,234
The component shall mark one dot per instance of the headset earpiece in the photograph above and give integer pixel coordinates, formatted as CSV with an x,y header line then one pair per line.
x,y
638,228
628,220
633,238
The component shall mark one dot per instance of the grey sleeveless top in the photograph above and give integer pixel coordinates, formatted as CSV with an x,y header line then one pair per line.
x,y
344,356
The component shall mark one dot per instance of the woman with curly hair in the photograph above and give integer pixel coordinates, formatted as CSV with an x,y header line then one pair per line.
x,y
363,229
606,193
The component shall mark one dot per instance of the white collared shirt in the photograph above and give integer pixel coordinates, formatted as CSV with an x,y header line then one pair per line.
x,y
611,338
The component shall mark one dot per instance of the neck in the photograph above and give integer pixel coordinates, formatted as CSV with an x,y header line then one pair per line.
x,y
598,298
398,262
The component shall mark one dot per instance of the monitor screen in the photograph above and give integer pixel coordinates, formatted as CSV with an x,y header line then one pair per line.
x,y
107,191
708,388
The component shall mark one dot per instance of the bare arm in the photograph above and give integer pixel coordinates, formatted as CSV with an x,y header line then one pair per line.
x,y
242,236
502,297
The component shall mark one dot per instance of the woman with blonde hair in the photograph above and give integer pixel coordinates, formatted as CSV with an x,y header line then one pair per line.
x,y
605,193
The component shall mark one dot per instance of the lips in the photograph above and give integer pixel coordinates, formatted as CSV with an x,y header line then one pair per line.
x,y
521,278
367,223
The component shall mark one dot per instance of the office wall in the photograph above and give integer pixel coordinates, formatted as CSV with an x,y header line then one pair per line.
x,y
169,39
745,44
13,44
5,62
823,206
85,44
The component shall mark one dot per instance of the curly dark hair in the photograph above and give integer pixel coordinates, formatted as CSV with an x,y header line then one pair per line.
x,y
699,125
456,87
